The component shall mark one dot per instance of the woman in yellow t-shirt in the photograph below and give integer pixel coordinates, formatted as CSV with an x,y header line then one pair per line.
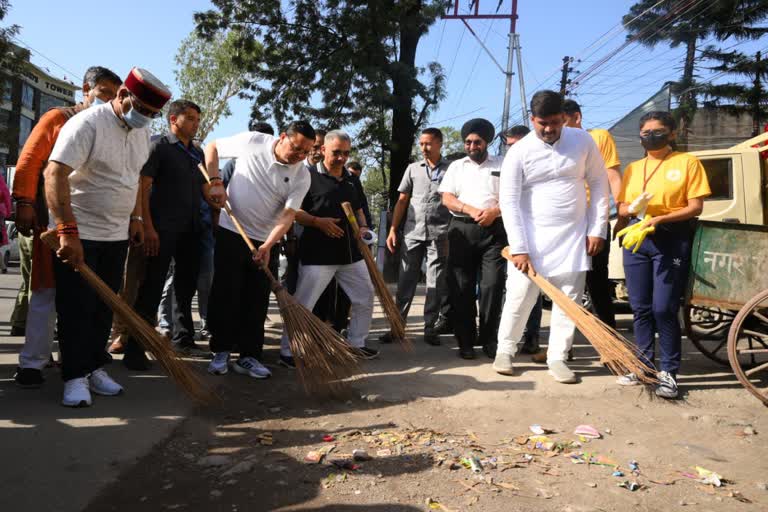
x,y
657,273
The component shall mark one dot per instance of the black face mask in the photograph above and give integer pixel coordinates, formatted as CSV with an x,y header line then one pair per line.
x,y
654,141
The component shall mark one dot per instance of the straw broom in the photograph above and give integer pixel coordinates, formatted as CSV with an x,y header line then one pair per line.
x,y
323,358
620,355
179,371
396,324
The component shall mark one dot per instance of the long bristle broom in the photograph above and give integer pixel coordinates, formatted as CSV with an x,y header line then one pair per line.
x,y
620,355
324,359
179,371
396,324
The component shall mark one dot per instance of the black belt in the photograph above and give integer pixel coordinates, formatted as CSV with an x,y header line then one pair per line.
x,y
467,220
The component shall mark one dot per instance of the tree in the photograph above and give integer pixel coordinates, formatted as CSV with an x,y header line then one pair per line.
x,y
376,191
340,63
741,98
685,23
209,75
452,143
11,59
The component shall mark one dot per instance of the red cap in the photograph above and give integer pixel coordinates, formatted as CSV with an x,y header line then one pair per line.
x,y
146,86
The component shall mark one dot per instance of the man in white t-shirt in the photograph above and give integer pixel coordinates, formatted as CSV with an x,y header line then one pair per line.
x,y
476,237
92,188
266,189
551,227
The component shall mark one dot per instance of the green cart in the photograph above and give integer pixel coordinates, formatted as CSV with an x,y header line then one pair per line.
x,y
726,306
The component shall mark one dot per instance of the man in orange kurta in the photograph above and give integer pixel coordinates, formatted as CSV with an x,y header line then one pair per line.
x,y
99,86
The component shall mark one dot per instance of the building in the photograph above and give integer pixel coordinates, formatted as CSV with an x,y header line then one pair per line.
x,y
26,96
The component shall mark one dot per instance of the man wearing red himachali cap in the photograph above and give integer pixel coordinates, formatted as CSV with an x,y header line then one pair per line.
x,y
92,188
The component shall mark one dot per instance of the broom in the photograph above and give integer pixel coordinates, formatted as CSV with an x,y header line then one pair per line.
x,y
396,324
620,355
179,371
323,358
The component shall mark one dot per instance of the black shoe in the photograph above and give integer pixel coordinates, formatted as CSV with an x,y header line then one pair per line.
x,y
28,378
190,348
431,338
570,355
490,351
530,345
136,360
467,353
287,361
442,326
18,331
366,353
386,338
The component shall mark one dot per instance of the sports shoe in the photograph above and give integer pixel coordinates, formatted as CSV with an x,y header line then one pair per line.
x,y
431,338
562,374
220,364
28,378
366,353
667,386
76,393
287,361
442,326
251,367
629,379
467,353
540,356
502,364
489,350
102,384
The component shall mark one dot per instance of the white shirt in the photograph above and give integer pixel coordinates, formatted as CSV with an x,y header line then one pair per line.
x,y
107,158
473,184
261,187
543,200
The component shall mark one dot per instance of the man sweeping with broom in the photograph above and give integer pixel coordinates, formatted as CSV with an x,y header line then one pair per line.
x,y
551,228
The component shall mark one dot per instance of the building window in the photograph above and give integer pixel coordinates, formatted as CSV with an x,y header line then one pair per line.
x,y
25,128
27,96
5,117
47,102
7,89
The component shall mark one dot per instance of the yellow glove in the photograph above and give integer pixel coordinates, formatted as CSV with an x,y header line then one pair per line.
x,y
635,234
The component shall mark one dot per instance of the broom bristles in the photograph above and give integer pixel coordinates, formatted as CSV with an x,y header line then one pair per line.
x,y
179,371
620,355
391,311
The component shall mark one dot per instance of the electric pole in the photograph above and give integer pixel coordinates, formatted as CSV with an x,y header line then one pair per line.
x,y
564,82
756,97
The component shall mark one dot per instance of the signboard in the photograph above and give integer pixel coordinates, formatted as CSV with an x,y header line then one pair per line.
x,y
47,84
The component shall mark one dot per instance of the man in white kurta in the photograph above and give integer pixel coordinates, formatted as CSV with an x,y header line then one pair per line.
x,y
550,224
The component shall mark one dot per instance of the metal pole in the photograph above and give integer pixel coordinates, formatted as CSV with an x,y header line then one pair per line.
x,y
523,101
564,77
508,85
757,98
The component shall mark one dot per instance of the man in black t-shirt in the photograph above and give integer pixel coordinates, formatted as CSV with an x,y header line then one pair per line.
x,y
327,248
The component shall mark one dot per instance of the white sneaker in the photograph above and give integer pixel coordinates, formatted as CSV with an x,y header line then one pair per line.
x,y
251,367
502,364
220,364
629,379
102,384
76,393
562,374
667,387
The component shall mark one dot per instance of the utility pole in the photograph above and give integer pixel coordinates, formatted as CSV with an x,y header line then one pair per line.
x,y
512,50
756,97
564,77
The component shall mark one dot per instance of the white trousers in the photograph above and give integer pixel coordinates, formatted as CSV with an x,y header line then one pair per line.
x,y
41,323
356,283
520,299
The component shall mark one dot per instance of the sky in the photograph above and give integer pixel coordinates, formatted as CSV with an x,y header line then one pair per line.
x,y
67,37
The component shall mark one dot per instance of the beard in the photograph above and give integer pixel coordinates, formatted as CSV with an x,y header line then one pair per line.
x,y
478,156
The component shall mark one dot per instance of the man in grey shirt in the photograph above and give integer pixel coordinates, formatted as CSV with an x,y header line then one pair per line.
x,y
426,223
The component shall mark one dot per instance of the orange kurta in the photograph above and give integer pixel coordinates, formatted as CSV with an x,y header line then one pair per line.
x,y
29,169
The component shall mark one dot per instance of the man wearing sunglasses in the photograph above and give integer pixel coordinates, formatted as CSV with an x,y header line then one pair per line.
x,y
476,237
92,188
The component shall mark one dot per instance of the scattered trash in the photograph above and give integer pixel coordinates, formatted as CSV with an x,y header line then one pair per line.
x,y
763,486
618,473
591,484
386,452
684,503
316,456
539,430
632,486
607,431
361,455
542,443
738,497
709,477
476,465
749,431
634,466
328,438
433,504
345,464
587,432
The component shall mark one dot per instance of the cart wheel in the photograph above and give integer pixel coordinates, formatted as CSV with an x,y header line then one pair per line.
x,y
707,328
748,346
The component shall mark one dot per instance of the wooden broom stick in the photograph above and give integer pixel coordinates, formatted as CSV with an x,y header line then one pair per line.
x,y
618,353
396,324
179,371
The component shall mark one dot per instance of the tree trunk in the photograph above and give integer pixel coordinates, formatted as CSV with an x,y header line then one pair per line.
x,y
687,106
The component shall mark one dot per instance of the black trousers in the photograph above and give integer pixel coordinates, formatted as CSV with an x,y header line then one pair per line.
x,y
184,250
599,286
84,320
239,296
472,247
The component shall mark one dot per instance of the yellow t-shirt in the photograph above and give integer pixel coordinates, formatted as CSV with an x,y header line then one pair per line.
x,y
607,147
679,178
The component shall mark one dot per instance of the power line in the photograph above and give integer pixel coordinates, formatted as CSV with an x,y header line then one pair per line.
x,y
39,54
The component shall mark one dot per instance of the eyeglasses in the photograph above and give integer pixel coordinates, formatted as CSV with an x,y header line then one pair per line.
x,y
477,142
141,109
296,149
337,153
656,133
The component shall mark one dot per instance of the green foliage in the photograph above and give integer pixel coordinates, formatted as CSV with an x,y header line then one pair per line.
x,y
376,190
452,143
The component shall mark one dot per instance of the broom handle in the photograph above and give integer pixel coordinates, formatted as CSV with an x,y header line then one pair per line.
x,y
347,207
274,284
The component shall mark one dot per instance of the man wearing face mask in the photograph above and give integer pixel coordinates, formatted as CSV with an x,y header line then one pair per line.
x,y
99,86
92,188
551,228
476,236
267,187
